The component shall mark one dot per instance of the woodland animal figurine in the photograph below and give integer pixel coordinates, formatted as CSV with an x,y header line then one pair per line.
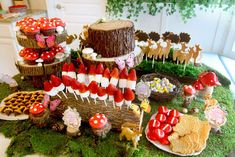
x,y
196,53
72,120
185,57
166,50
177,52
131,132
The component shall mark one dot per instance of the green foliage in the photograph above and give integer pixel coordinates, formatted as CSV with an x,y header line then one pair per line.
x,y
186,8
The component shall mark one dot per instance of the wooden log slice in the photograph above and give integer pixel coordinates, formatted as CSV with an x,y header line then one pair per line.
x,y
24,41
110,62
86,110
112,38
45,69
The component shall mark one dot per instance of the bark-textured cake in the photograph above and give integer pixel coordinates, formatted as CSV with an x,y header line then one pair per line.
x,y
112,38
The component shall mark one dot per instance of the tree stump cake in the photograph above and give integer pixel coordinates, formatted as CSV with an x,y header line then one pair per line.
x,y
112,38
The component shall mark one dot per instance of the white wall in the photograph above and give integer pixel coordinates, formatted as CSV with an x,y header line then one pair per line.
x,y
210,29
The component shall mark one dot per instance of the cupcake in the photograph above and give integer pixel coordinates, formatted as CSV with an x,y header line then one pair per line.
x,y
100,125
39,114
48,57
25,51
57,49
47,28
57,21
31,31
31,57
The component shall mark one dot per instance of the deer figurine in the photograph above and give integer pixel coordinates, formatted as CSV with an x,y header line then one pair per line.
x,y
166,50
177,52
146,47
185,57
131,132
196,53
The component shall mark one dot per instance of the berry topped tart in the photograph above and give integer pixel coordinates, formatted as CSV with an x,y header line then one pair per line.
x,y
40,33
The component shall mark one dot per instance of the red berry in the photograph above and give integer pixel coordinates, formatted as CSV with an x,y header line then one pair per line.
x,y
153,123
172,120
158,133
163,109
164,141
161,118
174,113
151,136
166,128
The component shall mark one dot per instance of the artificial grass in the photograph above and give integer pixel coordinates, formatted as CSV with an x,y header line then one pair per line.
x,y
28,139
172,68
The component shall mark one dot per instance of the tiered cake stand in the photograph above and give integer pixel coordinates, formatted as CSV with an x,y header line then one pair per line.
x,y
40,72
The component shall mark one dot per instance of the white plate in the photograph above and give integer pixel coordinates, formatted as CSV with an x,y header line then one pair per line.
x,y
166,147
12,115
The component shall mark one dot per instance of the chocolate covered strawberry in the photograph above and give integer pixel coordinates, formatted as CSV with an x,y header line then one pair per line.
x,y
131,79
123,78
84,92
114,76
105,78
118,98
102,95
163,110
161,117
81,76
92,73
65,69
99,72
111,90
129,96
153,123
93,88
72,71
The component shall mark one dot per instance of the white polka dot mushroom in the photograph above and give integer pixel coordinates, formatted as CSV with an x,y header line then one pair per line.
x,y
100,125
39,114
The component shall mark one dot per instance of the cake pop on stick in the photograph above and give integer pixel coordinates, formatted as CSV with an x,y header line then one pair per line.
x,y
111,90
65,69
93,88
67,82
131,79
118,98
129,96
114,76
91,74
99,72
123,79
50,90
84,92
81,76
75,86
105,78
102,95
71,71
58,85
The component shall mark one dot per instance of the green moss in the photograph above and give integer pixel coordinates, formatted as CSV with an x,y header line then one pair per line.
x,y
28,139
20,145
47,142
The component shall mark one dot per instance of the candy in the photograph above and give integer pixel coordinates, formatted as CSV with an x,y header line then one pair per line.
x,y
153,123
174,113
172,120
166,128
161,118
163,109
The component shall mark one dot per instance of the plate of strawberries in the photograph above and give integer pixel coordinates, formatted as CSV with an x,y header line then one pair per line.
x,y
160,126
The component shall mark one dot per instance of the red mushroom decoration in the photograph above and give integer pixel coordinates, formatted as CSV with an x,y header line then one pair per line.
x,y
209,80
100,125
39,114
189,94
